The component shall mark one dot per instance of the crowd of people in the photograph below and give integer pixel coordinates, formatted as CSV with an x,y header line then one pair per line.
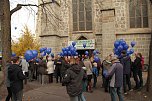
x,y
76,73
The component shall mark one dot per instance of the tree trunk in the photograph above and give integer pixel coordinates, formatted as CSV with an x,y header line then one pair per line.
x,y
149,80
6,33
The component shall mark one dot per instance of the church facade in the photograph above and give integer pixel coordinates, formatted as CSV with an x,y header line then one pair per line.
x,y
98,22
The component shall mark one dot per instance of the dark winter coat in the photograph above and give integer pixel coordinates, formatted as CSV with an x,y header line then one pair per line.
x,y
42,68
73,80
58,66
137,64
126,62
31,65
81,64
64,66
16,78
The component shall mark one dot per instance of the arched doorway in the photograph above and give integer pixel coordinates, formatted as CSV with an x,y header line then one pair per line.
x,y
82,38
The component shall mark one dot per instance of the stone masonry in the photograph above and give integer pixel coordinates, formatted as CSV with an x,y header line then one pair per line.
x,y
110,22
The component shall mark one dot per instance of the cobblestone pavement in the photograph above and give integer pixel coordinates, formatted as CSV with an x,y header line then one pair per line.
x,y
56,92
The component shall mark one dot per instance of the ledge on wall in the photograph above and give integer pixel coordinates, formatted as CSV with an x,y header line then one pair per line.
x,y
53,35
136,31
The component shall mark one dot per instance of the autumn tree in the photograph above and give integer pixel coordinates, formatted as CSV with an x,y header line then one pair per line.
x,y
6,27
25,42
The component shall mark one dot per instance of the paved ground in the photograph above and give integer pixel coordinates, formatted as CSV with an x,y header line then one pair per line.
x,y
56,92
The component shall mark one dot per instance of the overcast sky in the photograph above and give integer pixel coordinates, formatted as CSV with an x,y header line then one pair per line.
x,y
25,16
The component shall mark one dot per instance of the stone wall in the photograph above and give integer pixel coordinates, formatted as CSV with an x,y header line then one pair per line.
x,y
142,43
110,22
108,32
98,44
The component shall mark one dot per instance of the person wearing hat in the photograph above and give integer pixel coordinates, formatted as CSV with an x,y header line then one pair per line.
x,y
116,75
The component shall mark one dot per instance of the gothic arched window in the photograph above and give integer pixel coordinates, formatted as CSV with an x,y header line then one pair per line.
x,y
138,12
82,15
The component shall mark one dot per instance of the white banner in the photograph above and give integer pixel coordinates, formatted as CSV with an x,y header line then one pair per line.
x,y
90,44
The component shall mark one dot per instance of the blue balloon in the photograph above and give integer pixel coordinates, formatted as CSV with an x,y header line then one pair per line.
x,y
128,53
73,43
65,53
44,48
28,55
37,60
73,53
86,53
116,44
97,51
76,54
131,51
45,51
52,55
123,43
69,53
105,73
61,54
75,48
84,45
63,49
116,52
120,48
35,53
13,54
120,41
41,50
67,49
96,59
43,54
133,43
125,47
48,50
70,47
94,52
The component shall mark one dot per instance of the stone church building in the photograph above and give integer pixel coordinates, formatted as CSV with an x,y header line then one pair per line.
x,y
98,22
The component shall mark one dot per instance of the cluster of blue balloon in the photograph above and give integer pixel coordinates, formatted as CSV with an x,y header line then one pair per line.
x,y
44,51
121,45
30,54
69,51
95,53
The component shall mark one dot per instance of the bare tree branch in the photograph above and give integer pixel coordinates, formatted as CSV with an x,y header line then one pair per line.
x,y
19,6
53,1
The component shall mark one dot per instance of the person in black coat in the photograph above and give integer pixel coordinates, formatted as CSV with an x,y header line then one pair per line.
x,y
126,62
16,77
137,71
58,66
31,70
73,80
